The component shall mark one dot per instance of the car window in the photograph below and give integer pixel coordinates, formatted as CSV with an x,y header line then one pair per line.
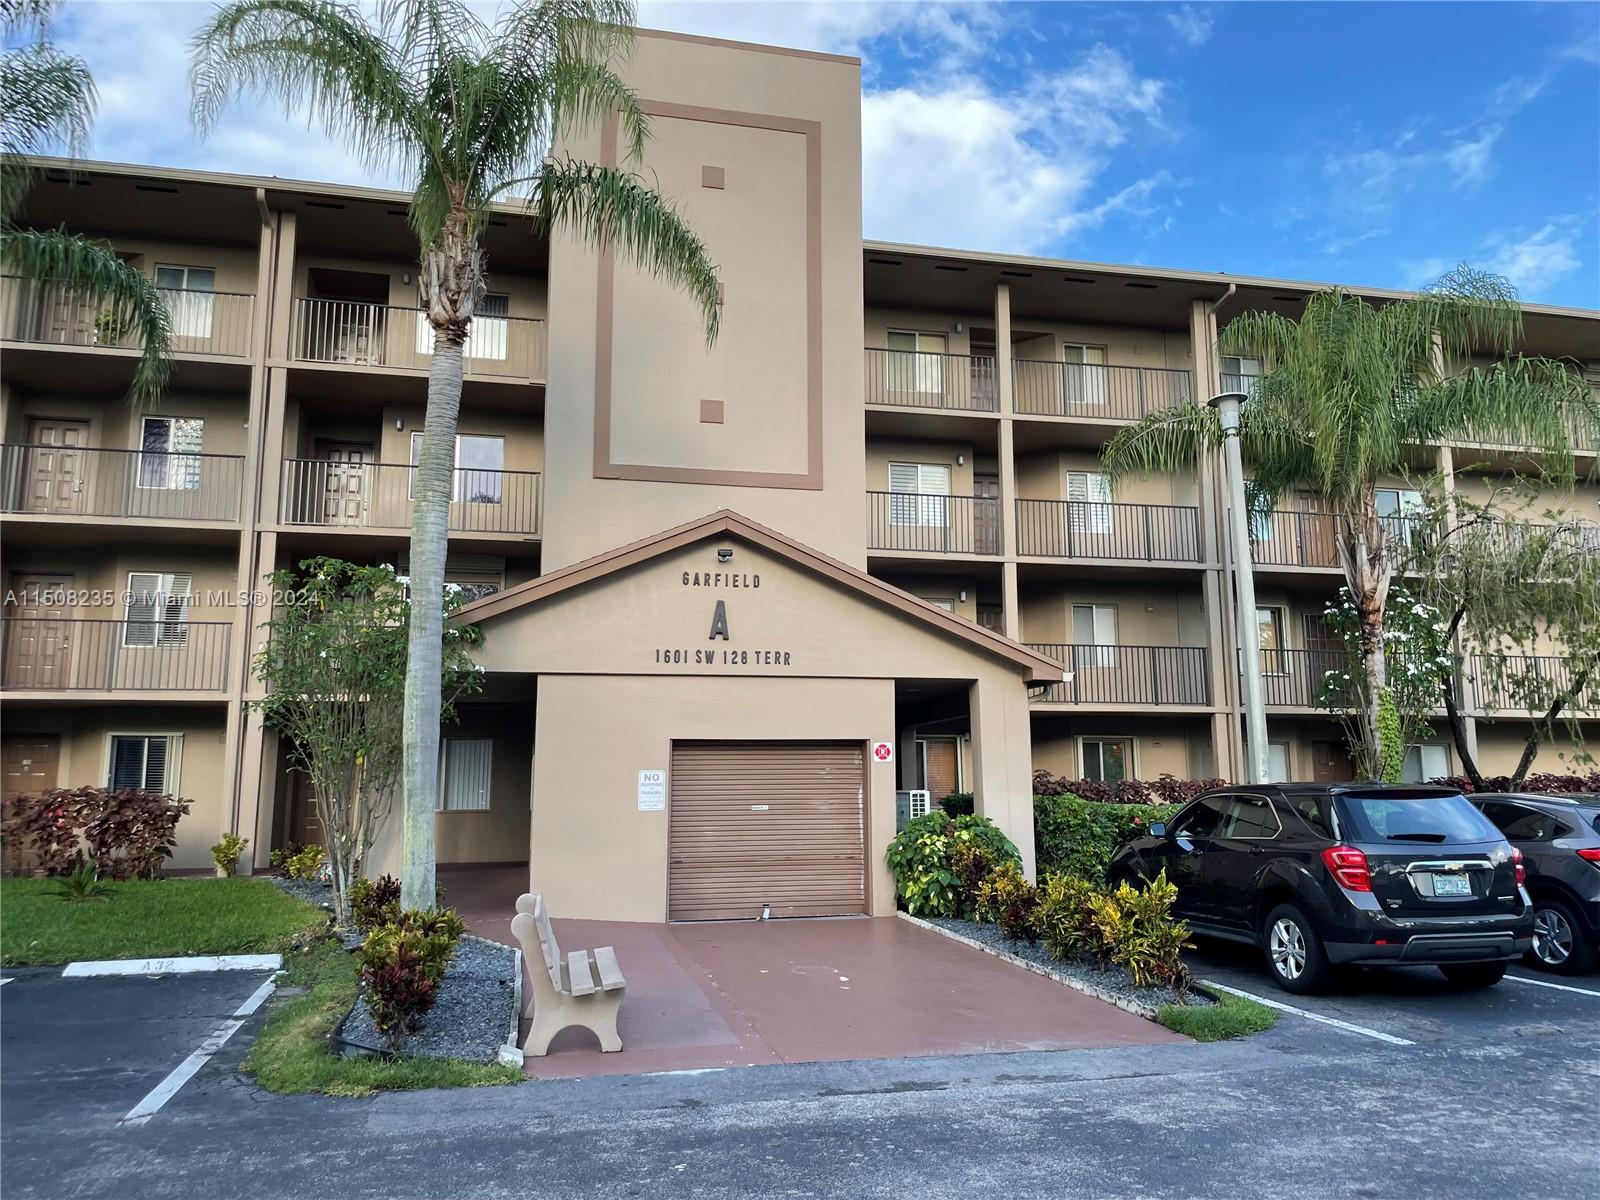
x,y
1523,824
1200,819
1249,816
1316,812
1422,819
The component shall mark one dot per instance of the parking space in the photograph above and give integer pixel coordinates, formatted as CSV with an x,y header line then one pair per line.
x,y
1416,1004
89,1050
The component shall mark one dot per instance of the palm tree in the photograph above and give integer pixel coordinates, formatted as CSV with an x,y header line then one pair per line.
x,y
470,112
1349,394
47,102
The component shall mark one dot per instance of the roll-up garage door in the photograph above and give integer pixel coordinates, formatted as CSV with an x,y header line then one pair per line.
x,y
777,825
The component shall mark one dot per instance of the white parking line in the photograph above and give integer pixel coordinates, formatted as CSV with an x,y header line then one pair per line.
x,y
185,1071
1560,987
1347,1026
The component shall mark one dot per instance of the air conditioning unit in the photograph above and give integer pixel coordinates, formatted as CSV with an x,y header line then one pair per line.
x,y
908,806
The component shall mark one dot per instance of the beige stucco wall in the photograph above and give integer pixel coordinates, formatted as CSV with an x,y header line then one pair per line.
x,y
1162,745
115,424
660,369
1125,347
1146,615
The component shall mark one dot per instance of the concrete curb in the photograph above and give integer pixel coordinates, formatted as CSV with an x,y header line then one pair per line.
x,y
1147,1011
174,966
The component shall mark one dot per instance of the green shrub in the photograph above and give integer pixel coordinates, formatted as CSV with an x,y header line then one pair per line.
x,y
82,885
227,851
958,804
299,862
1065,917
1079,837
402,965
1129,927
927,853
1010,901
375,902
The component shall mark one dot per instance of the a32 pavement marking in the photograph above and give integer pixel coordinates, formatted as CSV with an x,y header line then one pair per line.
x,y
185,1071
1347,1026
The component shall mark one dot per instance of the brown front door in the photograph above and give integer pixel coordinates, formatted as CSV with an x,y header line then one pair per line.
x,y
38,642
775,827
1330,763
305,827
28,762
57,472
941,768
344,482
986,514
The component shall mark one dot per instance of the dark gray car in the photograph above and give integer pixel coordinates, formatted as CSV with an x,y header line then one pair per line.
x,y
1559,837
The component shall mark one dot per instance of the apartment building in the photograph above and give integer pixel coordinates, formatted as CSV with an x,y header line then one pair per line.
x,y
734,599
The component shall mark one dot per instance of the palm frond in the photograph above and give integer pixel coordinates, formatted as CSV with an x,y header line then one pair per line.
x,y
603,205
47,102
88,267
27,18
1162,443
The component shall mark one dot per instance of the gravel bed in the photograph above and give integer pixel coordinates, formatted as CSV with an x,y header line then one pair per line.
x,y
312,891
470,1018
1113,981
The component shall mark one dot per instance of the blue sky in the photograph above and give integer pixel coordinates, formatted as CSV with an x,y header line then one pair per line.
x,y
1372,144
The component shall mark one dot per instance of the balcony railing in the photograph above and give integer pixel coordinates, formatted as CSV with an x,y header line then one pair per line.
x,y
1062,389
378,496
385,335
75,481
1301,678
54,654
1137,675
1167,533
1530,683
1284,538
64,315
920,379
933,524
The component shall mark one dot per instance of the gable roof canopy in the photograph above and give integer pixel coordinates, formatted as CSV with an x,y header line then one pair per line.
x,y
726,522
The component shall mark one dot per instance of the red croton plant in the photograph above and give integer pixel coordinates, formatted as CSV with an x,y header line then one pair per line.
x,y
125,833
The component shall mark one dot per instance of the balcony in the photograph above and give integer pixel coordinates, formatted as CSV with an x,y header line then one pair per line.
x,y
59,314
1300,678
351,495
1139,676
75,481
1528,683
919,379
1283,538
53,654
922,524
1096,391
383,335
1155,533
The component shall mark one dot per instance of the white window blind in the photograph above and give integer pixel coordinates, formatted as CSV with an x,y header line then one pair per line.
x,y
158,609
187,294
1094,633
1424,763
1089,501
921,494
464,774
1085,375
918,365
486,336
145,760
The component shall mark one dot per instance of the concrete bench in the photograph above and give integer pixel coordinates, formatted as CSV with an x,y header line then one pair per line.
x,y
581,988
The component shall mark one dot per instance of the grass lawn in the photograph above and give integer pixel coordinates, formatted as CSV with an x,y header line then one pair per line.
x,y
293,1054
1233,1016
153,918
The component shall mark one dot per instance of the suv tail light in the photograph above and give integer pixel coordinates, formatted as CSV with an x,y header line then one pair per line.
x,y
1590,854
1348,867
1522,871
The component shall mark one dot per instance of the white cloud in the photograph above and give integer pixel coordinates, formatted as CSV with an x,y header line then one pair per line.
x,y
1192,24
1541,258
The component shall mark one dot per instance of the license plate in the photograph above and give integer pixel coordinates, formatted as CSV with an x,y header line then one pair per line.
x,y
1452,885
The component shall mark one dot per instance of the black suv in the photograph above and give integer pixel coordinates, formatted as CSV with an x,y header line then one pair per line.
x,y
1559,837
1319,875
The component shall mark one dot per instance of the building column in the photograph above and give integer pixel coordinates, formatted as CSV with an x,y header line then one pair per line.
x,y
1004,391
1002,760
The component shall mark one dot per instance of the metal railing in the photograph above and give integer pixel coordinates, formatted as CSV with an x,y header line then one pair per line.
x,y
386,335
62,314
1062,389
933,524
1302,678
1139,675
1284,538
1239,383
1530,683
75,481
378,496
922,379
1129,532
65,654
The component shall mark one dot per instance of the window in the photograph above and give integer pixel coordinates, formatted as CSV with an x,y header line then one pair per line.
x,y
169,453
1523,824
486,336
1249,817
1094,635
1106,760
918,362
1240,374
1089,501
1424,763
479,468
187,293
1084,374
1316,812
920,494
145,760
944,602
1398,510
464,774
157,609
1201,819
1269,625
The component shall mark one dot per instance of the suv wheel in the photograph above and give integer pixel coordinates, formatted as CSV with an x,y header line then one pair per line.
x,y
1560,943
1294,951
1475,975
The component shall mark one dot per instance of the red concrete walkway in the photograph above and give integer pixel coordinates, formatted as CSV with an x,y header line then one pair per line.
x,y
723,994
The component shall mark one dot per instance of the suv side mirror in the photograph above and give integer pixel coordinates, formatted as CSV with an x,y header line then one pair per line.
x,y
1158,829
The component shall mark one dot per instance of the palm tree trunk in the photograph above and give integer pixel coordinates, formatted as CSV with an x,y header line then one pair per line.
x,y
430,522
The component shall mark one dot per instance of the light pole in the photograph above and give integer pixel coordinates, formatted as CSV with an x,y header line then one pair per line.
x,y
1244,584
